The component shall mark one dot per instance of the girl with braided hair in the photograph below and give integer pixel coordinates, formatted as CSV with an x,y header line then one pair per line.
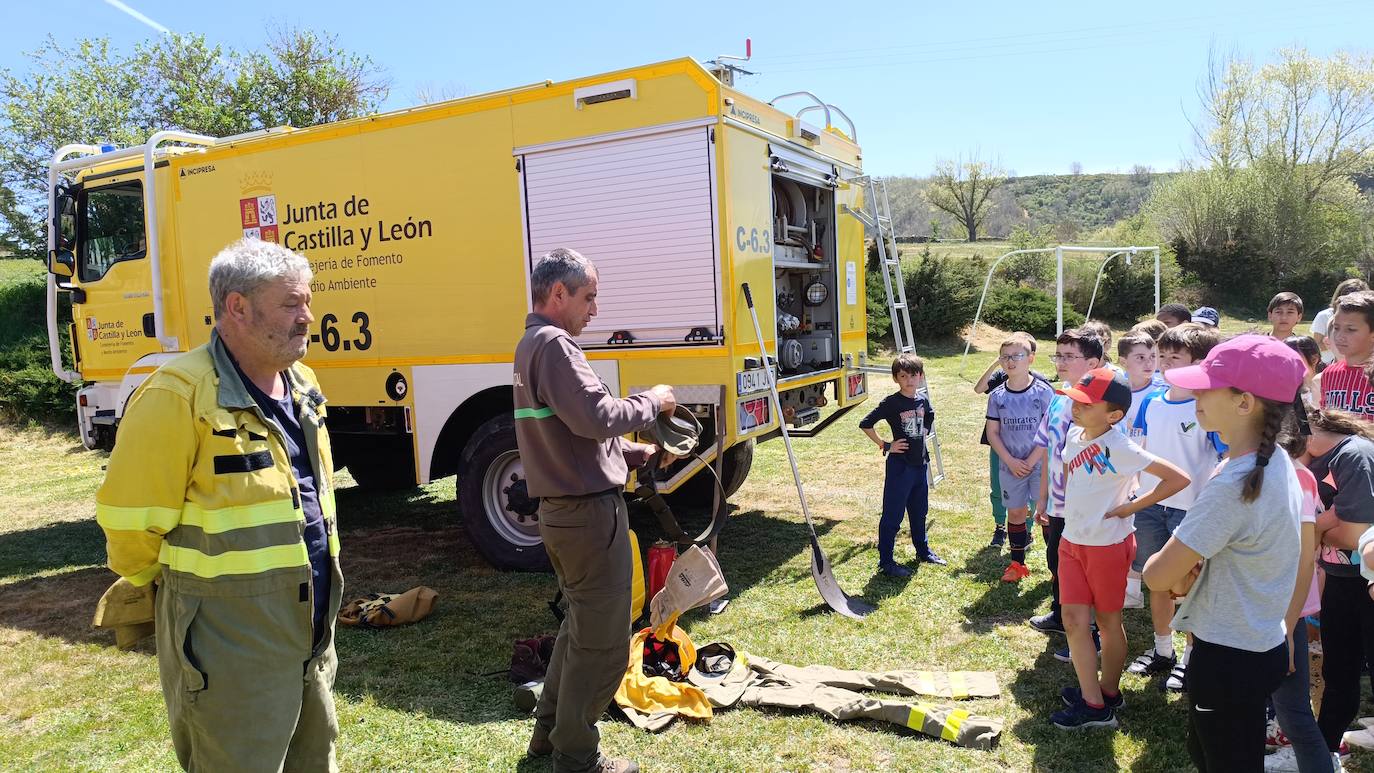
x,y
1341,446
1234,558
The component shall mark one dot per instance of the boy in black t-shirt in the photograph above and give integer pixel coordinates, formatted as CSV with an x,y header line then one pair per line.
x,y
910,416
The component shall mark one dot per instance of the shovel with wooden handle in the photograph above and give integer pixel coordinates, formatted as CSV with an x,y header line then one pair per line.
x,y
830,590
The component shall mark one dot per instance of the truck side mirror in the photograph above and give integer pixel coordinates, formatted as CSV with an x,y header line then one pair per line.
x,y
62,263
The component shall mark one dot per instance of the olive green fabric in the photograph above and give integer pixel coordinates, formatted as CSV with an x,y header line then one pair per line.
x,y
755,681
936,684
246,697
587,539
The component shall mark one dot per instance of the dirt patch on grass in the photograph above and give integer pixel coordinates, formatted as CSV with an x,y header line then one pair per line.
x,y
58,605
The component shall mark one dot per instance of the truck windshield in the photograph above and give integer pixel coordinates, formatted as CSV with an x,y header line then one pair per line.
x,y
111,228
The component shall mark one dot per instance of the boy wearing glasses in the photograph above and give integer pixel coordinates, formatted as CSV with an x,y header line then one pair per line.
x,y
992,378
1015,410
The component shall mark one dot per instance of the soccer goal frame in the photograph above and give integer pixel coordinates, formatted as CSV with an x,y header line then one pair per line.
x,y
1059,252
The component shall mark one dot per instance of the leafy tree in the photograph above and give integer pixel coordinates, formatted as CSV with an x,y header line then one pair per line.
x,y
88,92
963,189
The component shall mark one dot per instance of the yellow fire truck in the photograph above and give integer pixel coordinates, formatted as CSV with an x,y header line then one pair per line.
x,y
421,227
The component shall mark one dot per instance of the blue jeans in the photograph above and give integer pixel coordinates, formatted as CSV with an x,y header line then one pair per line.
x,y
1154,526
904,490
1293,705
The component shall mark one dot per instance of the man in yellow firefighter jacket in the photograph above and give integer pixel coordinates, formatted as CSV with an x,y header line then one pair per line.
x,y
220,488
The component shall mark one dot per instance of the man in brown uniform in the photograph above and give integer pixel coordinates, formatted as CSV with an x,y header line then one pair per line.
x,y
569,430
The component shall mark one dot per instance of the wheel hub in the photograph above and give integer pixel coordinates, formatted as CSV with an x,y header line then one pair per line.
x,y
510,510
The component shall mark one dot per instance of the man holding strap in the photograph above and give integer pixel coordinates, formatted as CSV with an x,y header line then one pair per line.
x,y
569,427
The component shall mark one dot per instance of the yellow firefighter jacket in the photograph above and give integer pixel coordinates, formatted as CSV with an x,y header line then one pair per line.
x,y
200,488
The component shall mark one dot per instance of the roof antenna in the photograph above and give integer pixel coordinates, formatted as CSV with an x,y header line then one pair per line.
x,y
725,72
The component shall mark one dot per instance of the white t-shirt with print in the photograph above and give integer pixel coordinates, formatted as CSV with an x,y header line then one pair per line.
x,y
1137,397
1170,430
1100,477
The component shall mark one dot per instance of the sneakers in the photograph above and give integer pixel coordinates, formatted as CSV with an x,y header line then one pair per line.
x,y
1016,572
1047,623
1284,760
1081,715
1151,662
1360,739
1072,695
1274,738
1176,677
999,537
894,570
933,558
1062,654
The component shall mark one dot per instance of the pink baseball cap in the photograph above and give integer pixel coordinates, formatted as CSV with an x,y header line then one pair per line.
x,y
1258,364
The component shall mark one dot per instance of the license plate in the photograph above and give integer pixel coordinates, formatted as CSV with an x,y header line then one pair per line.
x,y
858,384
753,414
751,381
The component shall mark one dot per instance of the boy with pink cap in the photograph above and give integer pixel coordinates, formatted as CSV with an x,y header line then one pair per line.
x,y
1234,558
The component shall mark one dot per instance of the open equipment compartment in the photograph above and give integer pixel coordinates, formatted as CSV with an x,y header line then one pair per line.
x,y
804,272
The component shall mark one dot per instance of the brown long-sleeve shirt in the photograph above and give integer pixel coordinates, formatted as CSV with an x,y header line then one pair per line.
x,y
567,423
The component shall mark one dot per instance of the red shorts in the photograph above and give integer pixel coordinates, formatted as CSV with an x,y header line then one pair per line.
x,y
1095,575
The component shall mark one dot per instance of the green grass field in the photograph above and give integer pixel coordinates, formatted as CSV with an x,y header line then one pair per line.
x,y
416,698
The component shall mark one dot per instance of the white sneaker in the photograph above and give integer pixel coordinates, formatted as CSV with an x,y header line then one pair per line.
x,y
1175,681
1366,722
1360,739
1285,760
1336,765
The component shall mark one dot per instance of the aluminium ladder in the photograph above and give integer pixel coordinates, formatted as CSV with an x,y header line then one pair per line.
x,y
877,217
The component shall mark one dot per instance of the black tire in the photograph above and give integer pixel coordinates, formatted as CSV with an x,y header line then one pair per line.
x,y
490,477
699,490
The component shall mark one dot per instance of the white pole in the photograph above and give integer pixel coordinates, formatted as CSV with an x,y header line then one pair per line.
x,y
1059,289
1156,279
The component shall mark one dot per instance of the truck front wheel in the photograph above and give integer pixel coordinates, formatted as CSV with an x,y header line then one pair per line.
x,y
499,515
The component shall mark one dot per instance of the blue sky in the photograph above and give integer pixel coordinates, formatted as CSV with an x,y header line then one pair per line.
x,y
1038,86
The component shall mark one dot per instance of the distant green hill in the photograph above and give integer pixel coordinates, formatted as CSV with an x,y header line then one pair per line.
x,y
1074,204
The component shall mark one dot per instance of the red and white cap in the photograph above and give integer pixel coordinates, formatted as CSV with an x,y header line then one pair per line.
x,y
1258,364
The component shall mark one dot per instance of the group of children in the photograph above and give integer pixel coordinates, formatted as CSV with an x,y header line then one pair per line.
x,y
1213,474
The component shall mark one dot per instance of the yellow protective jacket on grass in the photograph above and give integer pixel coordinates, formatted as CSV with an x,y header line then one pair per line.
x,y
200,488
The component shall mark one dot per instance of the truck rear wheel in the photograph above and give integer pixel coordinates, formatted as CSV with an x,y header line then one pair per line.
x,y
499,515
699,490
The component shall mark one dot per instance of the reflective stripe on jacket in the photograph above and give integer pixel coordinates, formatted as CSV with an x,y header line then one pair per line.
x,y
200,482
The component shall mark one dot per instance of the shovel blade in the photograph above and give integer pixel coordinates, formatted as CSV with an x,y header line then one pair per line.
x,y
830,590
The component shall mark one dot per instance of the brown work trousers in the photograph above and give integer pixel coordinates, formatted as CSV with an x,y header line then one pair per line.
x,y
587,539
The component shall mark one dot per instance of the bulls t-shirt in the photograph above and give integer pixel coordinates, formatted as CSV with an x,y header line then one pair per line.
x,y
1347,388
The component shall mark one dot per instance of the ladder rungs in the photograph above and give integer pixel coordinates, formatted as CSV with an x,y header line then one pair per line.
x,y
899,306
893,262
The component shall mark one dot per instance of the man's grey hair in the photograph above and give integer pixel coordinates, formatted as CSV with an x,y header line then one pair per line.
x,y
248,264
559,265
